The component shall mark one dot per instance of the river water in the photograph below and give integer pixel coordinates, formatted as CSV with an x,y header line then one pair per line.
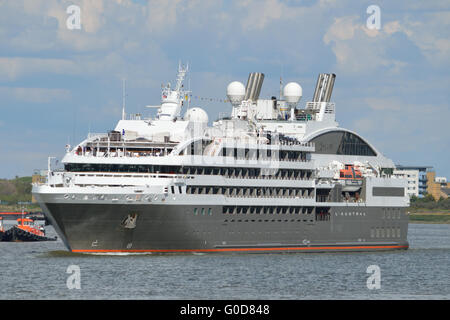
x,y
38,270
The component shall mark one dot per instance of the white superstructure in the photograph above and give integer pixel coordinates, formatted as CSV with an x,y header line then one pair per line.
x,y
269,152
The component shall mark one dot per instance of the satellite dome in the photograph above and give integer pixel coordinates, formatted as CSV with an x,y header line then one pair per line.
x,y
292,92
236,92
196,115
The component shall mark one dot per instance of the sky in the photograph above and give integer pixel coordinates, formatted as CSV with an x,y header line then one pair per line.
x,y
57,84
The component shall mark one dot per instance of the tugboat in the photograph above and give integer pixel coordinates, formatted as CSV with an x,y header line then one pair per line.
x,y
2,230
26,230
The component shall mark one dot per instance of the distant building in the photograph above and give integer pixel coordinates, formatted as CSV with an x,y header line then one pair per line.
x,y
446,191
37,177
417,178
437,186
413,180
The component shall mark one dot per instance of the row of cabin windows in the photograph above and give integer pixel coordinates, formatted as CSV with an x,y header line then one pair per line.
x,y
258,192
385,232
391,213
254,154
196,148
268,220
173,189
199,147
266,210
288,174
202,211
321,213
223,171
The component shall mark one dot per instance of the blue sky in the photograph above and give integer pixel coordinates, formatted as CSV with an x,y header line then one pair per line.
x,y
57,84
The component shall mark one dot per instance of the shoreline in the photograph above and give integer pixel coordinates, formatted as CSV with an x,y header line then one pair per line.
x,y
418,216
438,217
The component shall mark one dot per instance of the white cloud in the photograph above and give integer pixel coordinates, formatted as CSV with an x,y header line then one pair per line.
x,y
161,14
390,104
407,133
360,50
261,13
142,41
14,68
33,95
430,32
92,12
432,35
342,29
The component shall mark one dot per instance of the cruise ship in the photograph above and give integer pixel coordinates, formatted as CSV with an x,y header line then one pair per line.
x,y
268,177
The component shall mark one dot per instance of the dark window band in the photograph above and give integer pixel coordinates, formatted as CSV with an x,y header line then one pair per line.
x,y
388,192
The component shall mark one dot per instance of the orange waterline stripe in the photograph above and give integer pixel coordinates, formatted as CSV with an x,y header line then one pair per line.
x,y
241,249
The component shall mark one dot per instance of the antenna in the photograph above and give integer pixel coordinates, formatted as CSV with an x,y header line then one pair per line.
x,y
281,81
189,91
180,76
281,86
123,99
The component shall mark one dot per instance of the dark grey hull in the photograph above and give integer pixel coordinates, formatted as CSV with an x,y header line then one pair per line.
x,y
176,228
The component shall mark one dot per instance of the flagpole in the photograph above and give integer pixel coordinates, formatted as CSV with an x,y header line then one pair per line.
x,y
123,99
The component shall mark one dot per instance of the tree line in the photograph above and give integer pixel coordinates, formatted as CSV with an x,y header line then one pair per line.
x,y
15,190
428,202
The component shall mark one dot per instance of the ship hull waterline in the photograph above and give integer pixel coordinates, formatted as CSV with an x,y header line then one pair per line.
x,y
165,229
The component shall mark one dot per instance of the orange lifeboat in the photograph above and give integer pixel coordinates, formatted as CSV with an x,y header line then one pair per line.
x,y
350,172
351,178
